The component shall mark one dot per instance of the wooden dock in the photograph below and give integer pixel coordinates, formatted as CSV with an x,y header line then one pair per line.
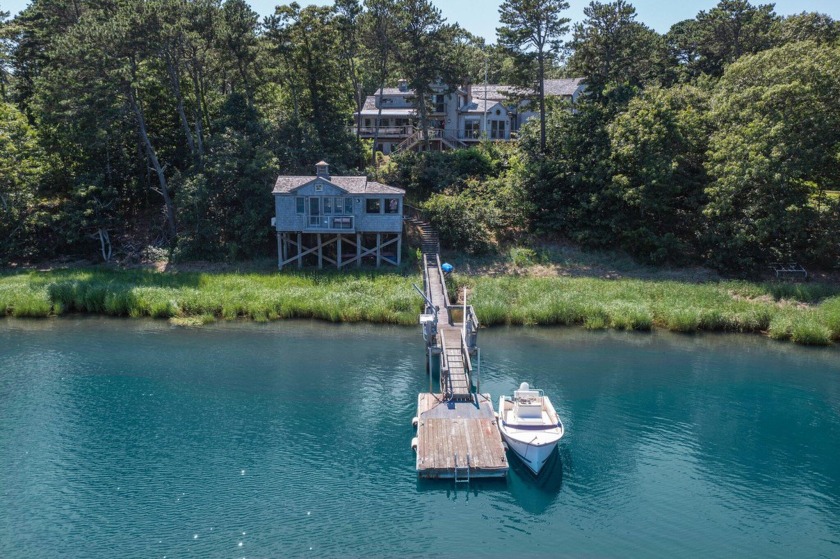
x,y
457,433
458,440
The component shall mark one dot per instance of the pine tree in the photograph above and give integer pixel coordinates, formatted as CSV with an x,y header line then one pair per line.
x,y
533,29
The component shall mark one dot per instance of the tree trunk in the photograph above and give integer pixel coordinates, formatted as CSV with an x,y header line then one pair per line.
x,y
383,76
152,155
424,123
105,245
175,83
541,60
198,89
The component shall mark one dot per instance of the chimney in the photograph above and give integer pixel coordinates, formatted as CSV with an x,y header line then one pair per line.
x,y
322,169
468,87
402,85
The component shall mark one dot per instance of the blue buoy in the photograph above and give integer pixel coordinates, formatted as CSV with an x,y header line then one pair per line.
x,y
446,267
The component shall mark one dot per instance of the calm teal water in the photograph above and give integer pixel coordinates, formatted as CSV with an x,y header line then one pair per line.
x,y
138,439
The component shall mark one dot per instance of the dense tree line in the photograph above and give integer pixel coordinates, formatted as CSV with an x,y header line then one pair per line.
x,y
716,143
135,123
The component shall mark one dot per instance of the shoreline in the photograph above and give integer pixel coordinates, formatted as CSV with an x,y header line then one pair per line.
x,y
807,314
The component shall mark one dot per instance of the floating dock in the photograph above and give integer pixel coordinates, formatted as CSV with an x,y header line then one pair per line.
x,y
458,440
457,434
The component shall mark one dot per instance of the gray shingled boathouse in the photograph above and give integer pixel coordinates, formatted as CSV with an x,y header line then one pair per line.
x,y
337,220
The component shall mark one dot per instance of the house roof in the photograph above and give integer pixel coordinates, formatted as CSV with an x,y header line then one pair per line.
x,y
352,185
563,87
479,106
495,92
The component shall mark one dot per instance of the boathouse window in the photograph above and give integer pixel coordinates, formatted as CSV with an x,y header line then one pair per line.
x,y
328,205
348,206
367,122
300,204
373,206
392,205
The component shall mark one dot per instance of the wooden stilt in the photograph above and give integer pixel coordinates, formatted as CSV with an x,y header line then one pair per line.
x,y
300,251
378,249
280,251
358,250
338,252
320,253
399,248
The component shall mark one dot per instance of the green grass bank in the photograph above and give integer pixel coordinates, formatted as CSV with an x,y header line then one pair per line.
x,y
804,313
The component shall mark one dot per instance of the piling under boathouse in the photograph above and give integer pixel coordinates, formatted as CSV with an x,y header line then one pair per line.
x,y
337,220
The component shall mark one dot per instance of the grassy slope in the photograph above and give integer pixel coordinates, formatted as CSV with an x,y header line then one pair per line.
x,y
804,313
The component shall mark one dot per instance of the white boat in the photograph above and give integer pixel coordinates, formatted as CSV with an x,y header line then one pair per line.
x,y
529,425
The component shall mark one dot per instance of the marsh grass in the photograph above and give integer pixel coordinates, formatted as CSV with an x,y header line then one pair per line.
x,y
346,297
783,311
805,314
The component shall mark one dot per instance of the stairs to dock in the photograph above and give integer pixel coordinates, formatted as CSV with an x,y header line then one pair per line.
x,y
430,240
429,237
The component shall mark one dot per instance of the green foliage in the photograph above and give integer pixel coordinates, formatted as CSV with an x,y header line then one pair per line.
x,y
465,223
658,152
778,135
718,37
228,203
615,52
22,164
425,173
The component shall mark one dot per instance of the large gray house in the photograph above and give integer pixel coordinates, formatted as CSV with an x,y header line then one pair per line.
x,y
459,118
337,220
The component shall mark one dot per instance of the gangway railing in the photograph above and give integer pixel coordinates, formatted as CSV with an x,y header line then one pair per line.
x,y
445,379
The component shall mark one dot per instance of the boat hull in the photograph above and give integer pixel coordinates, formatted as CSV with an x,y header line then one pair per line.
x,y
534,456
530,427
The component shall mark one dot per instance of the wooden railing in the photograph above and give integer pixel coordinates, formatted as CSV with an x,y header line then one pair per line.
x,y
442,281
471,328
410,212
384,131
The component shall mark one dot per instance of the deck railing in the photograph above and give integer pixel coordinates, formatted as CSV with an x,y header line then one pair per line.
x,y
330,222
384,131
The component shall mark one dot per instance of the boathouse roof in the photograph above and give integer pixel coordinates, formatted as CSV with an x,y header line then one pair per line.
x,y
286,184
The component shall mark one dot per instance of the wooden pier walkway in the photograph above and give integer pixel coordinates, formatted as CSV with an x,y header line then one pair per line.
x,y
457,433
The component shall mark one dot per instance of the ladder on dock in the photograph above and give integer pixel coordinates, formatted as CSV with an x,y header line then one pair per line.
x,y
462,473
